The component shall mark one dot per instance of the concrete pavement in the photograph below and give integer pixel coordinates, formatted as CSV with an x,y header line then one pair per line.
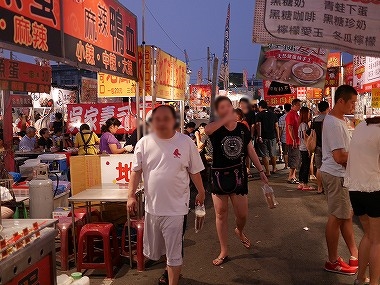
x,y
283,251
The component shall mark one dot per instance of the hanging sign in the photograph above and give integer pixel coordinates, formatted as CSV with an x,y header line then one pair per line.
x,y
375,98
24,77
148,70
275,100
115,86
33,25
101,34
88,90
200,95
349,25
296,65
170,81
332,77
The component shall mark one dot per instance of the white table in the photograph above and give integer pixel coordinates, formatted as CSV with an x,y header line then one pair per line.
x,y
102,194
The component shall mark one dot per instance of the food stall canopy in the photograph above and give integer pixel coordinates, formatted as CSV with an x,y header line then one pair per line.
x,y
351,26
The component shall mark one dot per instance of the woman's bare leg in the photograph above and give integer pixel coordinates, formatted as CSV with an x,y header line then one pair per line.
x,y
221,213
240,204
364,248
374,255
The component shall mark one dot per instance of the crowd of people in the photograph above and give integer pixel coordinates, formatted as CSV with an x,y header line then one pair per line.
x,y
347,173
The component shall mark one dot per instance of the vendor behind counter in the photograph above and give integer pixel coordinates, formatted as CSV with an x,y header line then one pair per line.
x,y
108,142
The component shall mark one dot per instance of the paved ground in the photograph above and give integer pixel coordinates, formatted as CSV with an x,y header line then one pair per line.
x,y
283,253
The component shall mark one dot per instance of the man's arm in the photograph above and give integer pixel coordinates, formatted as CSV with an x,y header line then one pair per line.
x,y
214,126
258,129
277,132
197,180
340,156
132,188
290,129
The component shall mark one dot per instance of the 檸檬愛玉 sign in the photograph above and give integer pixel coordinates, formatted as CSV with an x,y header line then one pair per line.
x,y
24,77
101,34
33,25
348,25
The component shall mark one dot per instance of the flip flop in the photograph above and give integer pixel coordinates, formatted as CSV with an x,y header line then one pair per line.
x,y
293,181
164,279
245,241
219,261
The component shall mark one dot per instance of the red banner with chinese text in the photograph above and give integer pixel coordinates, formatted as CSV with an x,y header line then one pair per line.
x,y
275,100
348,74
24,77
101,34
332,77
95,115
34,25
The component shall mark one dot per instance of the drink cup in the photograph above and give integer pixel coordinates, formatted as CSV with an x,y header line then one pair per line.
x,y
200,213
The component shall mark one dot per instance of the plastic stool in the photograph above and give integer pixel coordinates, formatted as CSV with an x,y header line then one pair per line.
x,y
64,226
139,226
81,213
87,235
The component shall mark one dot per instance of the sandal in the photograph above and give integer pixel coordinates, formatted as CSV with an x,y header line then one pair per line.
x,y
293,181
308,188
164,279
219,261
245,241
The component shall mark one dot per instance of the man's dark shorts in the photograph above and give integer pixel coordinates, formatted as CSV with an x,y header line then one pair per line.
x,y
365,203
293,157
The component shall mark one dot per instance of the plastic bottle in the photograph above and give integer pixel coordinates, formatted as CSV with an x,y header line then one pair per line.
x,y
64,280
83,281
269,196
200,213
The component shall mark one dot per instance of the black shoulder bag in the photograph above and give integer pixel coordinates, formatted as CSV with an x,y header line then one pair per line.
x,y
229,180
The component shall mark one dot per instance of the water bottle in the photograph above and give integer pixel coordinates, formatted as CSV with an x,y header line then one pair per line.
x,y
200,213
64,280
269,196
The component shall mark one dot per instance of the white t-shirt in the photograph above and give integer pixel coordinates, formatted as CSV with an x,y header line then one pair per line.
x,y
334,136
363,166
166,165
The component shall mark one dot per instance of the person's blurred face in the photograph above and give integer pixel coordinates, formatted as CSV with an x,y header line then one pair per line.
x,y
297,106
113,129
224,108
46,135
31,133
201,130
244,107
163,122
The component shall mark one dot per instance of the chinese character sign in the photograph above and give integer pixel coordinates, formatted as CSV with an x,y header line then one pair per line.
x,y
115,86
170,79
34,25
375,98
116,169
147,70
200,95
102,34
95,115
276,100
21,101
332,77
366,73
348,25
24,77
88,91
296,65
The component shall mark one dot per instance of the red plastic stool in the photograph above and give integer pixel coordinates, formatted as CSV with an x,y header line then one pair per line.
x,y
138,225
87,235
81,213
64,226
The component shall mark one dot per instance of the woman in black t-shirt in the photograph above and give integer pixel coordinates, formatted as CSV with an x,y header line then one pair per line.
x,y
231,142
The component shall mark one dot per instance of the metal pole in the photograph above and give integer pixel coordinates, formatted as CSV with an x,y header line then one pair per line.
x,y
214,85
208,65
144,70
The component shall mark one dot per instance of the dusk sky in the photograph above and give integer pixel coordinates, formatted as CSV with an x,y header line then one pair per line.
x,y
194,25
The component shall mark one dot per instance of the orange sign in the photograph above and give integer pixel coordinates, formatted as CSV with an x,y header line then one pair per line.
x,y
334,59
115,86
170,80
32,25
102,34
148,70
24,77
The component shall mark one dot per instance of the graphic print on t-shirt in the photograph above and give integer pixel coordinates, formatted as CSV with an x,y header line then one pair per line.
x,y
176,153
232,147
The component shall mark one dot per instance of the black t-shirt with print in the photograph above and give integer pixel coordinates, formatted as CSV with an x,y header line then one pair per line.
x,y
268,122
228,146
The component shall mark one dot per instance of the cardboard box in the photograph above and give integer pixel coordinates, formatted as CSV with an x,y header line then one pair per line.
x,y
61,212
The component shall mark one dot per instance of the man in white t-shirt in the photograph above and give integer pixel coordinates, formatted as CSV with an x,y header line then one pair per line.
x,y
168,160
335,143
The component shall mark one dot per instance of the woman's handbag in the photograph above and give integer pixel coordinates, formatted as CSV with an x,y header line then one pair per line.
x,y
229,179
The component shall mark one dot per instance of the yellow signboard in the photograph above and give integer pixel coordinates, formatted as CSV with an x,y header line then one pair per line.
x,y
375,98
115,86
170,80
